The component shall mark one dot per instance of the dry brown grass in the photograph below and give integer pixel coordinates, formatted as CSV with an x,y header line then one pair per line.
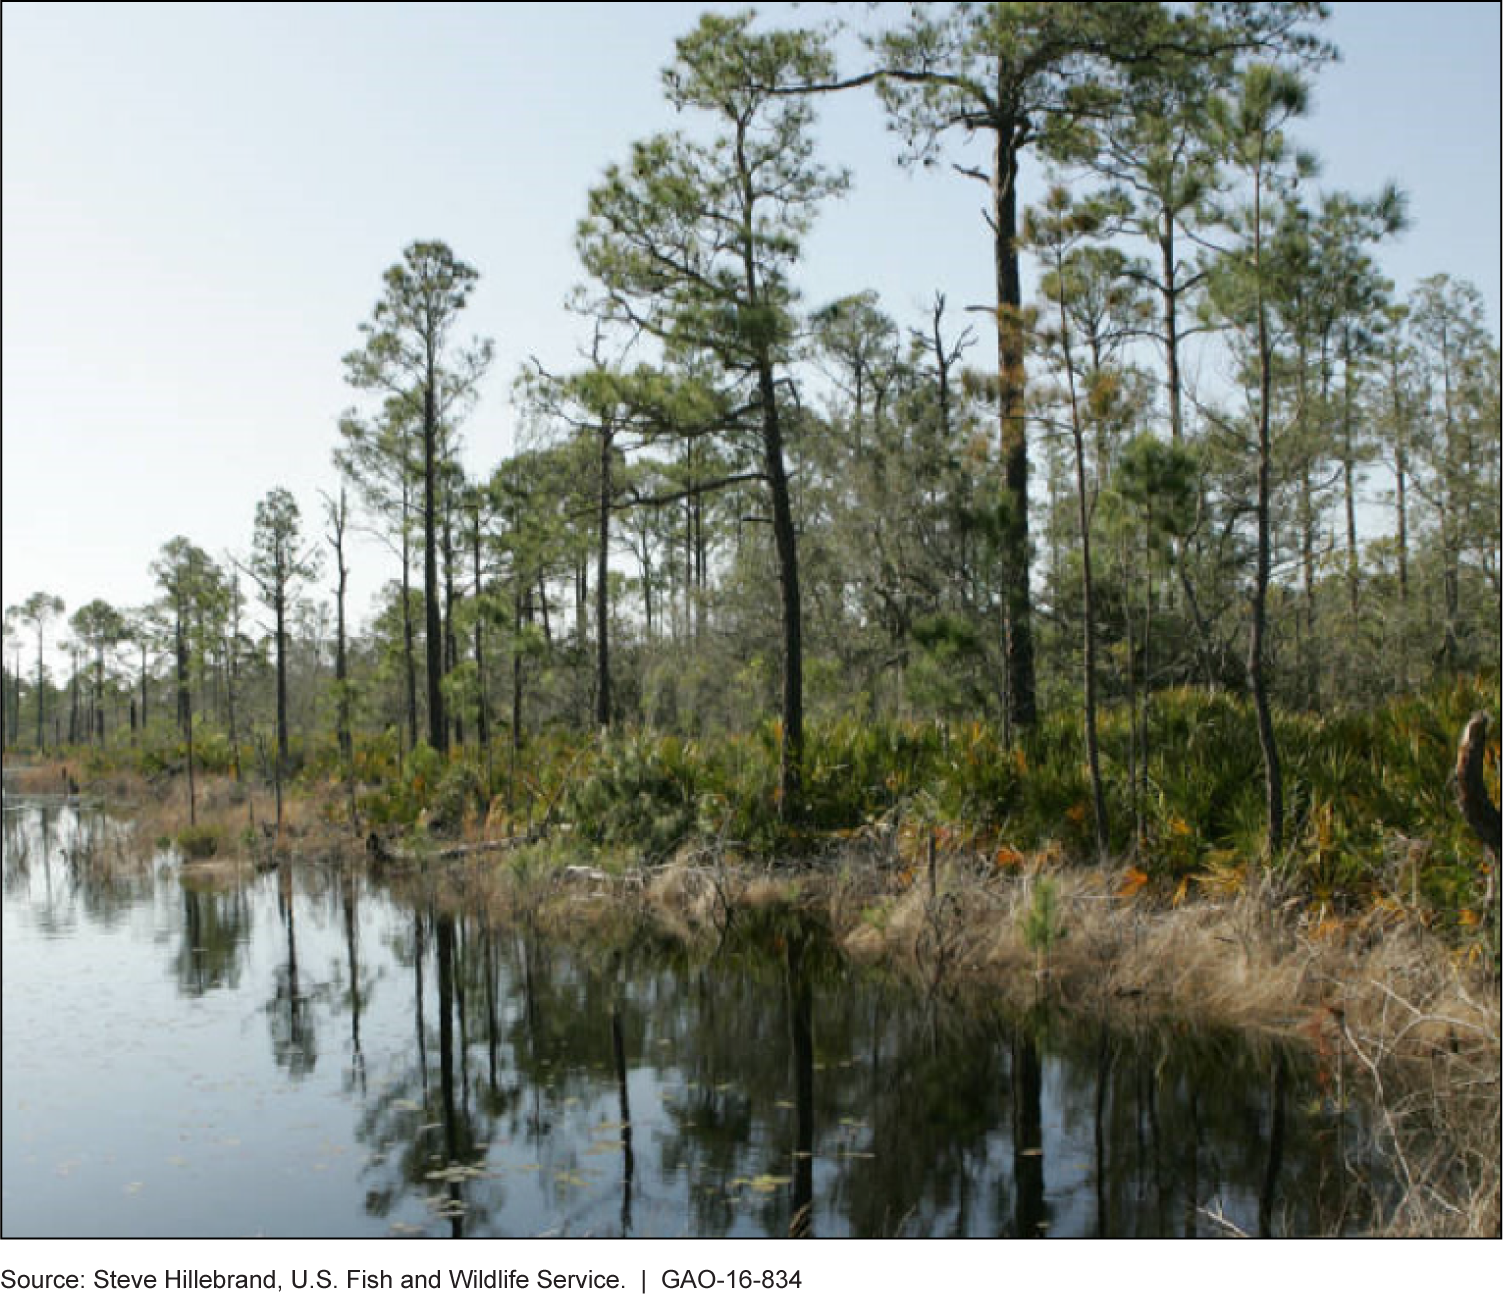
x,y
1416,1024
212,875
44,778
241,815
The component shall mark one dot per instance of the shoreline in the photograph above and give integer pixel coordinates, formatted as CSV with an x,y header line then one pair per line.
x,y
1415,1019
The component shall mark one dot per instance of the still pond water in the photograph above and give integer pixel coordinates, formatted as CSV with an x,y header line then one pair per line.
x,y
308,1057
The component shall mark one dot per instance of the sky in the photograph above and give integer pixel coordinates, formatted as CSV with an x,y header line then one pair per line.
x,y
200,200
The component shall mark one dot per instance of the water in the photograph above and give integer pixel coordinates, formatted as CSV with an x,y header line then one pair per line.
x,y
305,1056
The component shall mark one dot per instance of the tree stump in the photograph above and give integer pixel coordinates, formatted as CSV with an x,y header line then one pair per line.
x,y
1477,807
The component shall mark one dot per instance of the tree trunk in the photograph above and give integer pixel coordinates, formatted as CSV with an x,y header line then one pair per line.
x,y
280,608
1349,478
180,646
454,723
1273,783
41,695
1450,525
1170,293
73,702
516,696
232,686
602,601
438,730
341,659
1144,746
99,696
1083,517
1309,667
409,648
1022,694
482,709
790,765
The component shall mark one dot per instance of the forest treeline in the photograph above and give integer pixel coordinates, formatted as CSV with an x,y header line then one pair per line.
x,y
1210,491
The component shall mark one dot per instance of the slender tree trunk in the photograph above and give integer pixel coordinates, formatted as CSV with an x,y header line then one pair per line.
x,y
438,730
790,767
1450,524
455,721
341,656
1273,782
1401,481
602,601
543,610
73,701
1401,478
785,536
1170,293
41,695
1309,666
192,772
482,711
99,696
1349,478
644,560
691,593
409,655
582,605
233,685
181,648
701,568
1129,628
516,696
280,609
1022,694
1083,517
1145,745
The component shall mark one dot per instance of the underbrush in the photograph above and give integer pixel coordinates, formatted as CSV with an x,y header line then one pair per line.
x,y
1370,799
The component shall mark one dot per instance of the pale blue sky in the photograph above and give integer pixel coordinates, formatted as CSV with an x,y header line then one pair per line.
x,y
199,202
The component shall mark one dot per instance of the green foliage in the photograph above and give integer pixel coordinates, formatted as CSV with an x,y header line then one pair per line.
x,y
978,781
211,750
642,791
1043,925
199,842
459,794
1365,788
403,799
423,767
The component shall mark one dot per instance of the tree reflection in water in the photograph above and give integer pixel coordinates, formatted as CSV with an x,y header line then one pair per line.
x,y
294,1041
505,1081
772,1090
211,949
